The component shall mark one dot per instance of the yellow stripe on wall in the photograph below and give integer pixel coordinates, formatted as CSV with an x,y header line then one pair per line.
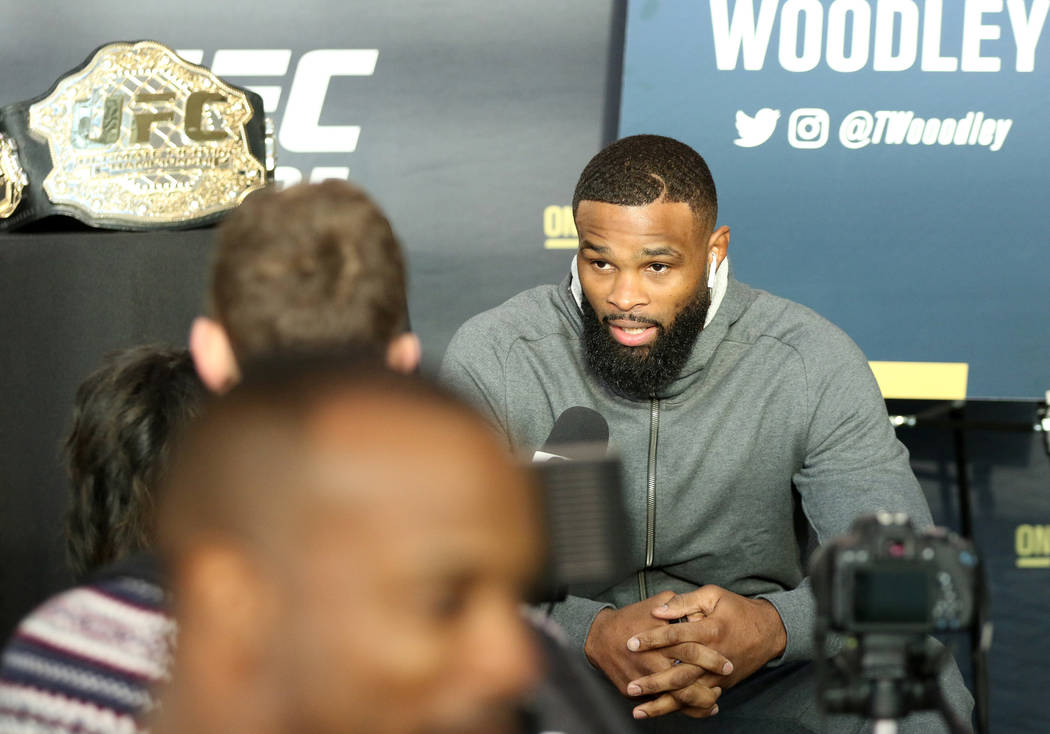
x,y
1033,562
922,380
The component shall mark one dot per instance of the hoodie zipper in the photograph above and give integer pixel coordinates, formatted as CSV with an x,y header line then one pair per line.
x,y
650,514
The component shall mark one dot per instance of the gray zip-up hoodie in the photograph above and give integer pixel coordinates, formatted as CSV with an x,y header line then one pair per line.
x,y
775,414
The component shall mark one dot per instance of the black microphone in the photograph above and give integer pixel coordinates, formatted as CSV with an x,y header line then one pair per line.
x,y
577,434
584,507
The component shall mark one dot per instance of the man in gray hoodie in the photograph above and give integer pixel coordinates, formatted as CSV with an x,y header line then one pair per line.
x,y
741,419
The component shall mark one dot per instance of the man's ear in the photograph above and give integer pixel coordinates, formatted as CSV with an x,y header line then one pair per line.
x,y
213,355
718,243
229,609
404,352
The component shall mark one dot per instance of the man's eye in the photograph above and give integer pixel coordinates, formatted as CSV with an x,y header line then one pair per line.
x,y
659,267
446,604
600,265
448,607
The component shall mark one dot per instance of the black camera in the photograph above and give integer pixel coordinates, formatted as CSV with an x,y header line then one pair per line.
x,y
881,591
887,577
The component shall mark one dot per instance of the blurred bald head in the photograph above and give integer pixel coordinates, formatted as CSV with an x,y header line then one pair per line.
x,y
349,549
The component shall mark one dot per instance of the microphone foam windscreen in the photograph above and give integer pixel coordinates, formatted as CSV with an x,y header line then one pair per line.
x,y
577,425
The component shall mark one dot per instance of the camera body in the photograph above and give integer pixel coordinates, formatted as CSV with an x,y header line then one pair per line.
x,y
887,577
881,591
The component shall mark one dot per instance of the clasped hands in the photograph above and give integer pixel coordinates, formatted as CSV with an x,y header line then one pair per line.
x,y
684,667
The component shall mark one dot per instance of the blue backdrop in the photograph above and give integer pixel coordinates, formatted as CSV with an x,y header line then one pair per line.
x,y
883,162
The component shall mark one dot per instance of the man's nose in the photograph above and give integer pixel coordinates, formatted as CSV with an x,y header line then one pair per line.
x,y
627,292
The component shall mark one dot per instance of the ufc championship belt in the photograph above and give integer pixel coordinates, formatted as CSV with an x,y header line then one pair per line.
x,y
136,138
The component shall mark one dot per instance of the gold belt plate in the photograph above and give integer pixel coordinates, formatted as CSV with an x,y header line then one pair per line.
x,y
140,136
12,177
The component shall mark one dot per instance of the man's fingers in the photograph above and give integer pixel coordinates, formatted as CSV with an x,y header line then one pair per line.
x,y
663,597
700,655
675,677
670,702
699,713
674,634
700,601
696,663
697,696
665,704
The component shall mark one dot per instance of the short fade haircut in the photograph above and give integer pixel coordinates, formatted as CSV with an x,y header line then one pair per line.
x,y
125,418
641,169
312,267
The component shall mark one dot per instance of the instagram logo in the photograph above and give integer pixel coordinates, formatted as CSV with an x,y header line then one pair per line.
x,y
808,128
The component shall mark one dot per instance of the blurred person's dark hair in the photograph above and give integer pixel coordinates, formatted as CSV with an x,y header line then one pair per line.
x,y
125,417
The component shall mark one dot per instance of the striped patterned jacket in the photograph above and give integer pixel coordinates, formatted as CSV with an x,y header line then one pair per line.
x,y
86,661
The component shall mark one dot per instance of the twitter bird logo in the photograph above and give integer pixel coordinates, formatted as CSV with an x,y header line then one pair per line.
x,y
755,130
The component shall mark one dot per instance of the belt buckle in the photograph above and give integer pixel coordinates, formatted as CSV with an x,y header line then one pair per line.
x,y
12,178
140,139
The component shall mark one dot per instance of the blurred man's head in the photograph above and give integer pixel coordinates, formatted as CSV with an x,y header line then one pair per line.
x,y
349,549
311,268
125,417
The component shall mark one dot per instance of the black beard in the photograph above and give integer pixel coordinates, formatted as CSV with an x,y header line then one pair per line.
x,y
642,372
